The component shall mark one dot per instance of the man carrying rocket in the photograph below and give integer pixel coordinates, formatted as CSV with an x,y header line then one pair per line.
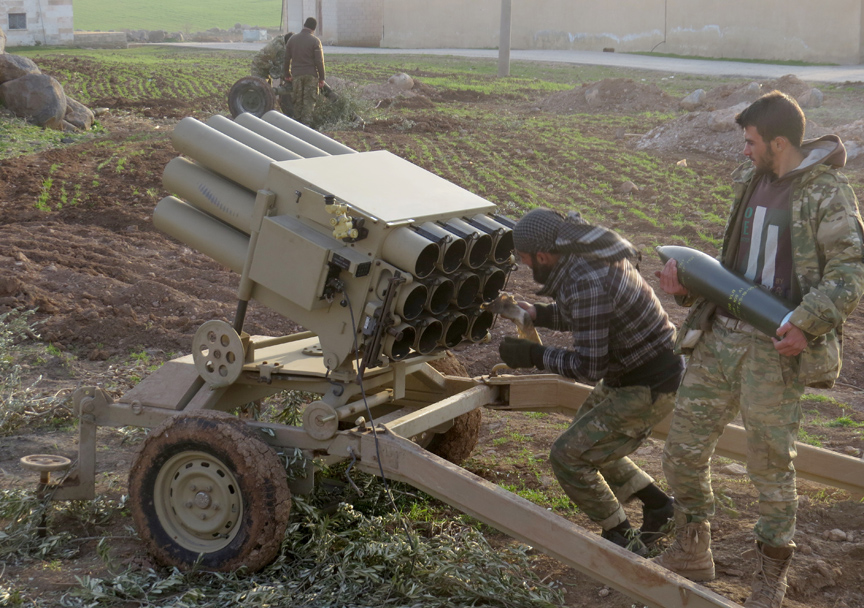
x,y
796,230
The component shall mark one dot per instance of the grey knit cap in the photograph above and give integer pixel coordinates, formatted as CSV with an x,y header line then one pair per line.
x,y
537,231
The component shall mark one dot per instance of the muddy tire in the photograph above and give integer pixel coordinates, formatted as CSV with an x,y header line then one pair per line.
x,y
457,443
252,95
205,484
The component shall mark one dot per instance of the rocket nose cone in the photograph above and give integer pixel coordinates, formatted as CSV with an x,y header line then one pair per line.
x,y
663,252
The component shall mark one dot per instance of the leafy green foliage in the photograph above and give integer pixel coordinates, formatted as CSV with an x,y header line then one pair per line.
x,y
18,137
22,404
333,554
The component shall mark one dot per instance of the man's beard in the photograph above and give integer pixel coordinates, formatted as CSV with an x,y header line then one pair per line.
x,y
540,271
765,163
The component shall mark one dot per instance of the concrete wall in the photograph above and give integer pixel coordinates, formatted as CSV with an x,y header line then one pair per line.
x,y
830,31
48,22
358,23
101,40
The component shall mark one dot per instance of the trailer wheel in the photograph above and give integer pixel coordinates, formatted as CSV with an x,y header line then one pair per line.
x,y
205,485
457,443
252,95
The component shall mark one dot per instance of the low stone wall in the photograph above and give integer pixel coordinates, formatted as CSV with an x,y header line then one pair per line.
x,y
101,40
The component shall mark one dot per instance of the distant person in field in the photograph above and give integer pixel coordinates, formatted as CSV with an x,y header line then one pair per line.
x,y
304,69
269,62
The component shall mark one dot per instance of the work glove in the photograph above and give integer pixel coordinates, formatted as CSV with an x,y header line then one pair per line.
x,y
516,353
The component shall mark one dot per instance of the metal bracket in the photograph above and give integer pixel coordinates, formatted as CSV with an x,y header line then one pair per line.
x,y
265,371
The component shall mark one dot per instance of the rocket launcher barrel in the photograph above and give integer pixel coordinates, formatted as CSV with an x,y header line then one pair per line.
x,y
307,134
706,277
221,153
278,136
455,328
479,242
250,138
453,248
208,192
379,258
201,232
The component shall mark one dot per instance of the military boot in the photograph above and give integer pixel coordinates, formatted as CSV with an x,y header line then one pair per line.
x,y
769,585
690,553
657,523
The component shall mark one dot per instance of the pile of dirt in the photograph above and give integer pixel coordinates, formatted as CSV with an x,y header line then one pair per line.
x,y
732,94
617,95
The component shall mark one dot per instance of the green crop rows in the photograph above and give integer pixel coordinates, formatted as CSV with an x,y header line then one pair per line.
x,y
187,16
512,155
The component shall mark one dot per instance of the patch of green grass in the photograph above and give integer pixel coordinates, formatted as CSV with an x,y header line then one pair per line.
x,y
188,16
536,415
18,137
737,60
804,436
818,398
845,422
557,501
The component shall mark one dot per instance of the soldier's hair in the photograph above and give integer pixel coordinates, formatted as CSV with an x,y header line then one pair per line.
x,y
775,114
287,36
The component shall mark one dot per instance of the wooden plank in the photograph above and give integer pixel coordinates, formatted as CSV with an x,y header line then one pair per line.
x,y
812,463
601,560
443,411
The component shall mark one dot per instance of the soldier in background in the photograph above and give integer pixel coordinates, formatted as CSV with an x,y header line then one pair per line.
x,y
795,229
269,62
304,69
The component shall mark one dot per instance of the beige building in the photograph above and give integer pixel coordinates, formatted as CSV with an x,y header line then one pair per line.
x,y
830,31
32,22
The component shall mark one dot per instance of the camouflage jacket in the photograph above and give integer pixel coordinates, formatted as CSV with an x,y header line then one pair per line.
x,y
269,62
828,245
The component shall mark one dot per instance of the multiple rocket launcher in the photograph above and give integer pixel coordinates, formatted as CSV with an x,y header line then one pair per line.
x,y
366,250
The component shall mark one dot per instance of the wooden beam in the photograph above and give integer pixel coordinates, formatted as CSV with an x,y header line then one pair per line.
x,y
603,561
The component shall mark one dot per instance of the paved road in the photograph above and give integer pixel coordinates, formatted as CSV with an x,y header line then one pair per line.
x,y
833,73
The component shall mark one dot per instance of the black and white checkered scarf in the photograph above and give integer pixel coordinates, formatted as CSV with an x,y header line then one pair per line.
x,y
547,230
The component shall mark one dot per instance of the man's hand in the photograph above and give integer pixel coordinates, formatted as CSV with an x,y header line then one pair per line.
x,y
321,84
793,340
669,279
516,353
529,308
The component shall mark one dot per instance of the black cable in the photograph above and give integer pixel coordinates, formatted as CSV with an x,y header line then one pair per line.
x,y
375,434
665,19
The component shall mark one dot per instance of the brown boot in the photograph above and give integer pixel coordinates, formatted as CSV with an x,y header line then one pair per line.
x,y
690,553
769,585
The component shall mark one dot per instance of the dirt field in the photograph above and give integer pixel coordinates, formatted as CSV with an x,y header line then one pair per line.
x,y
108,285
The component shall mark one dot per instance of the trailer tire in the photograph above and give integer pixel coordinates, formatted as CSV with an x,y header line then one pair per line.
x,y
206,484
458,442
251,95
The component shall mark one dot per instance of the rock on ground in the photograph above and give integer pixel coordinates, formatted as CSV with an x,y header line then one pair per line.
x,y
78,115
37,97
16,66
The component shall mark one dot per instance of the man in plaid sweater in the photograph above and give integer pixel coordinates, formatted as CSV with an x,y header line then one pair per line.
x,y
622,343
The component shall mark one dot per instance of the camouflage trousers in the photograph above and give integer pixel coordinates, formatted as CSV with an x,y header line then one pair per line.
x,y
590,458
732,370
304,94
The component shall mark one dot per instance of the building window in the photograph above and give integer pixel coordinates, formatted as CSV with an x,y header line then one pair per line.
x,y
17,21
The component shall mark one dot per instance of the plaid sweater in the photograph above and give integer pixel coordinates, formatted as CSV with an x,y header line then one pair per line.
x,y
618,324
